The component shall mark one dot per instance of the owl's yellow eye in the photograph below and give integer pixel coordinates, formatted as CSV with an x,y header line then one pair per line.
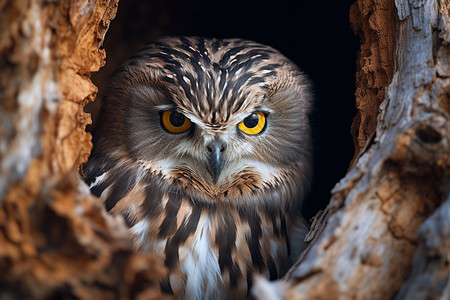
x,y
175,122
253,124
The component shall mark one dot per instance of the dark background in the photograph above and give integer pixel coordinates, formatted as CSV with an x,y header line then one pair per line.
x,y
316,35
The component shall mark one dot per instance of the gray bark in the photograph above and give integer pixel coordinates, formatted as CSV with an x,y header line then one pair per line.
x,y
386,231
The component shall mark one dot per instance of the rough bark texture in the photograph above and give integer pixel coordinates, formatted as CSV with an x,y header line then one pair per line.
x,y
385,234
386,231
374,22
55,238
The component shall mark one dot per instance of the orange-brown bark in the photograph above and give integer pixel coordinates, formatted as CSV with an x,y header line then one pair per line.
x,y
374,23
55,238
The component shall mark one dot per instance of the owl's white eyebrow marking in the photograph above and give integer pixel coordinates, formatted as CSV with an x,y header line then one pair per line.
x,y
263,109
165,107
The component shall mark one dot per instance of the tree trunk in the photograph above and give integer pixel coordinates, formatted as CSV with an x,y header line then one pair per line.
x,y
385,233
55,238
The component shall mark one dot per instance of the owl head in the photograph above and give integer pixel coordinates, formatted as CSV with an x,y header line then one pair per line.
x,y
223,120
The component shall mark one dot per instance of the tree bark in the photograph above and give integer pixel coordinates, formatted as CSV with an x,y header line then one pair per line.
x,y
55,238
385,233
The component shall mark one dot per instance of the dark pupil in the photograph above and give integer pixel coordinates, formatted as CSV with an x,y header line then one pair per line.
x,y
176,119
251,121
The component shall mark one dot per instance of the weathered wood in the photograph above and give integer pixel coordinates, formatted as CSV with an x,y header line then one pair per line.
x,y
430,272
374,22
55,238
379,237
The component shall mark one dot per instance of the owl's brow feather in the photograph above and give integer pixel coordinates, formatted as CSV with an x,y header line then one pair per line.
x,y
215,79
163,107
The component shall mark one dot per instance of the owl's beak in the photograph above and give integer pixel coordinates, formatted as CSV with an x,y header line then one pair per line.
x,y
216,150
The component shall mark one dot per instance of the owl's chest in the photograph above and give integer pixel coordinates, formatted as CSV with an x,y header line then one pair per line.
x,y
213,254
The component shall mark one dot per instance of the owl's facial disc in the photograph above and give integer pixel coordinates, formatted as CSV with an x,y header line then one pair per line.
x,y
209,152
220,121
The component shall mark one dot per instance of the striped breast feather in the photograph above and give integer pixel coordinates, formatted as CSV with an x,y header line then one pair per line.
x,y
109,179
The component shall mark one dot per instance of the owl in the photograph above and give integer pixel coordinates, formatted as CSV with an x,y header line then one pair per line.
x,y
203,145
